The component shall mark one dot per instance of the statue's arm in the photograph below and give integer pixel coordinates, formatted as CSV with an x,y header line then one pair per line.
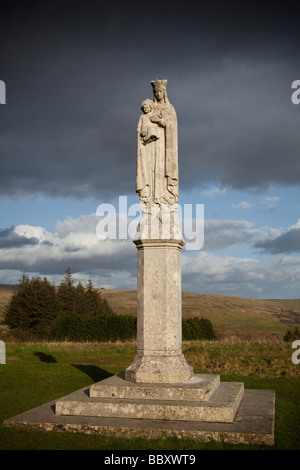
x,y
158,120
168,116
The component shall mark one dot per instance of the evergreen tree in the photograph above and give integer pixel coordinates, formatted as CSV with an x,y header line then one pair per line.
x,y
43,304
76,311
16,314
33,305
105,307
80,300
93,299
66,294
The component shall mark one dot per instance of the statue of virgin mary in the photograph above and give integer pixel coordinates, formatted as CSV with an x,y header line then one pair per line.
x,y
157,167
157,156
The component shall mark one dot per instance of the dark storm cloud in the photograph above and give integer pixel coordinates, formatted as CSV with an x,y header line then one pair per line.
x,y
91,264
78,259
288,242
10,239
76,75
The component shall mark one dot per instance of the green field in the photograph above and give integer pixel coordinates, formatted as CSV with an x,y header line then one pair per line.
x,y
249,349
36,373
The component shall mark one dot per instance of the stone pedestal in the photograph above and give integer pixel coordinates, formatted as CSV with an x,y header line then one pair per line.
x,y
203,399
159,356
111,414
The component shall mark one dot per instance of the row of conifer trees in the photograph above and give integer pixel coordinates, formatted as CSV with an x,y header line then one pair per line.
x,y
37,306
74,312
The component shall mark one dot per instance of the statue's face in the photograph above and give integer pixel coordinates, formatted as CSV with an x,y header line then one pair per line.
x,y
146,108
159,93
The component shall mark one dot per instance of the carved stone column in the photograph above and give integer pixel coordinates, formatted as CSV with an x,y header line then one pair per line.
x,y
159,357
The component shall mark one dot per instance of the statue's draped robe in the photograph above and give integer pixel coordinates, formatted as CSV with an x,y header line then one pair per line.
x,y
157,161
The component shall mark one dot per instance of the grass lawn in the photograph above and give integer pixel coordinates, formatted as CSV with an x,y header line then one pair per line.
x,y
37,373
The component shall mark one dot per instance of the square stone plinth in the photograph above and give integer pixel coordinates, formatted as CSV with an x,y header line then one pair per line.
x,y
221,407
199,388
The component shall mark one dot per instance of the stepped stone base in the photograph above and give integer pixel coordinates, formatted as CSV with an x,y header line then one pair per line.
x,y
253,423
221,406
198,388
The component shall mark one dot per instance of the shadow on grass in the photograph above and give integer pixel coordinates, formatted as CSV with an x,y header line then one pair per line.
x,y
94,372
45,357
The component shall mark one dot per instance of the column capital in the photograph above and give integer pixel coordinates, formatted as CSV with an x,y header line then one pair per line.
x,y
159,243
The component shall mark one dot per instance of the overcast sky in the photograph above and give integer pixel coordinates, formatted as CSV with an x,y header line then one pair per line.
x,y
76,74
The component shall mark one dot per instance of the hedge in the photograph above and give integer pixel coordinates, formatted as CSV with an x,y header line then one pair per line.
x,y
118,327
197,328
94,328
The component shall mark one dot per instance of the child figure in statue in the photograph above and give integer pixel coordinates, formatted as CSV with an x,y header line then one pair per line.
x,y
148,130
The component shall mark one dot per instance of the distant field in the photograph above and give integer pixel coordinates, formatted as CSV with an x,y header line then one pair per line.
x,y
230,316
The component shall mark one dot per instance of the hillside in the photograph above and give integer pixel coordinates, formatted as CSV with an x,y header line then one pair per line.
x,y
231,316
245,318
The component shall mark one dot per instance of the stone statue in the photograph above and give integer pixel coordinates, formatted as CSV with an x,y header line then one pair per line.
x,y
157,165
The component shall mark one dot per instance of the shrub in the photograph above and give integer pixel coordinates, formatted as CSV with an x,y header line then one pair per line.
x,y
94,328
292,335
197,328
119,327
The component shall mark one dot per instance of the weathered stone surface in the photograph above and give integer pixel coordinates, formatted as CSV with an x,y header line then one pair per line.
x,y
157,150
159,369
221,407
199,388
159,357
157,167
253,423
